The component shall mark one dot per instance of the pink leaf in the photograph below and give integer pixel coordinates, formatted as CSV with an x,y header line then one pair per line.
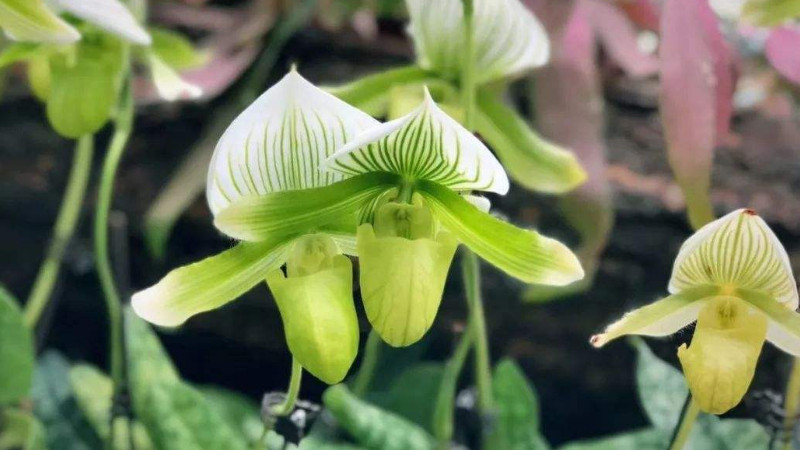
x,y
618,36
783,52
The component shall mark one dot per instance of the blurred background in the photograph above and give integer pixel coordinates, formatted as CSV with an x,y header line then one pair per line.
x,y
583,392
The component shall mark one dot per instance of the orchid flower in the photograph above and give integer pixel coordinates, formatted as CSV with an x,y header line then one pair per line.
x,y
59,74
276,146
409,182
733,277
508,41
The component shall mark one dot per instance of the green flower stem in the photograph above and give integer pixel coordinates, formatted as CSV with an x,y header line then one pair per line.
x,y
471,272
368,365
63,230
123,126
285,408
698,204
684,429
792,402
445,401
468,69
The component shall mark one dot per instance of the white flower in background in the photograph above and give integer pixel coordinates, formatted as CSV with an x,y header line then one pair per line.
x,y
508,38
109,15
734,278
170,86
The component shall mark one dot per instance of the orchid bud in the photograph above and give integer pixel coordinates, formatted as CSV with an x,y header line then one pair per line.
x,y
721,360
404,265
315,301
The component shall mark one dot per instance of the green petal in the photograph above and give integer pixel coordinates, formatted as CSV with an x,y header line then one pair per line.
x,y
208,284
371,93
31,20
740,251
319,318
402,281
524,254
720,362
425,144
175,49
783,323
508,39
284,213
661,318
279,142
532,161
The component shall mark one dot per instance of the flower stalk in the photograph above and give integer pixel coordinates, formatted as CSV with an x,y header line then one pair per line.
x,y
285,408
368,364
684,430
792,404
63,230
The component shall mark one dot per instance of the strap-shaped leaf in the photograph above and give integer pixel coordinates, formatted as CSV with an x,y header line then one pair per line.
x,y
426,144
660,318
279,142
533,162
279,214
508,38
208,284
110,15
524,254
738,250
31,20
783,323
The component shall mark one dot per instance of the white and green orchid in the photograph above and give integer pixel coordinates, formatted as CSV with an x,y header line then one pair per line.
x,y
508,41
408,182
733,277
59,74
276,146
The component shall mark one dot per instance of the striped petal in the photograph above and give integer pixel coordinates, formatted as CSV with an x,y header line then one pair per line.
x,y
279,142
110,15
32,21
508,37
738,250
426,144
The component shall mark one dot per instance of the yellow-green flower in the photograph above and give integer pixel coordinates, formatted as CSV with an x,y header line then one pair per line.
x,y
733,277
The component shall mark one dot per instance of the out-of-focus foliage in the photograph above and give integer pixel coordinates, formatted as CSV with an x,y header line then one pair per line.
x,y
16,351
20,430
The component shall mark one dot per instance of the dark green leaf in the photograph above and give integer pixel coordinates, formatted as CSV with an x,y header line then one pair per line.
x,y
517,425
242,414
662,389
413,393
649,439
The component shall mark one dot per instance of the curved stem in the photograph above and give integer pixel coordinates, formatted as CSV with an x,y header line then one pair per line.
x,y
113,156
792,402
684,429
294,391
471,271
445,400
368,364
63,230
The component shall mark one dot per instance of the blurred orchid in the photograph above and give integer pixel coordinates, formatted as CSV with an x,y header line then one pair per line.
x,y
276,145
733,277
508,41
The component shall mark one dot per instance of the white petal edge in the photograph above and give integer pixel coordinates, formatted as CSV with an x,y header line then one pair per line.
x,y
757,260
279,142
110,15
169,84
509,39
19,27
781,338
448,154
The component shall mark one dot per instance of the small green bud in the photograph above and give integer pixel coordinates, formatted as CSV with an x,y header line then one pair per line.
x,y
316,305
403,271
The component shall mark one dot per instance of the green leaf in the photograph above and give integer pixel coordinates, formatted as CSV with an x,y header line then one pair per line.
x,y
532,161
84,89
208,284
19,430
93,391
149,362
524,254
741,433
770,13
425,144
291,213
242,414
31,20
279,142
413,393
373,427
371,93
508,39
55,406
660,318
517,426
16,351
648,439
175,49
662,389
738,250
